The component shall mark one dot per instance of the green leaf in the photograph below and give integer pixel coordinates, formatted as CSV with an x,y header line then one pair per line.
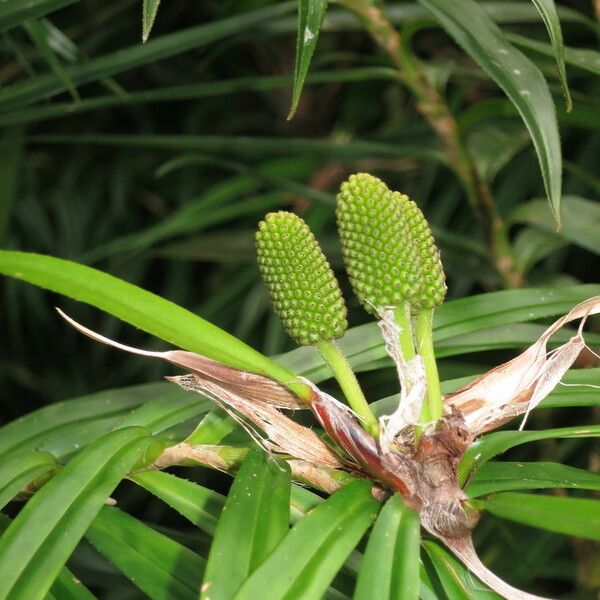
x,y
458,583
578,517
581,221
47,86
501,476
198,504
307,559
149,11
520,79
66,586
216,425
492,444
254,520
18,471
310,18
13,13
582,58
549,14
363,345
38,542
142,309
64,427
38,34
159,566
390,566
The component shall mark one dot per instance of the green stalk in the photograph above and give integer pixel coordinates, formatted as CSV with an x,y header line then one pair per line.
x,y
347,379
433,407
405,337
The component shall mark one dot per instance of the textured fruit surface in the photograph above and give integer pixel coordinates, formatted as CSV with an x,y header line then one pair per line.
x,y
433,283
305,294
380,256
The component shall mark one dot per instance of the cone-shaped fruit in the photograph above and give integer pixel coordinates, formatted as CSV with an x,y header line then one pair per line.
x,y
433,283
305,293
381,259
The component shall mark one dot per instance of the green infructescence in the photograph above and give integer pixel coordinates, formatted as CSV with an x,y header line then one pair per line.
x,y
393,262
307,298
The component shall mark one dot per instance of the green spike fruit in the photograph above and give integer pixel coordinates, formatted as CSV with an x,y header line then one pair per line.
x,y
305,293
433,289
380,256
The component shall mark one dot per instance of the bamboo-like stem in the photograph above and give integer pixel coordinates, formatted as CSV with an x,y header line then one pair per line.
x,y
435,110
405,337
347,379
432,408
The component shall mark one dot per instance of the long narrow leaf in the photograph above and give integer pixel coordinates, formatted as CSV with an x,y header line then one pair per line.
x,y
521,80
578,517
254,520
390,566
305,562
159,566
140,308
310,18
18,471
457,582
492,444
502,476
38,542
149,11
198,504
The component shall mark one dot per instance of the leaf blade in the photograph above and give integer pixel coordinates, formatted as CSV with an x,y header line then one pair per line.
x,y
390,566
520,79
310,17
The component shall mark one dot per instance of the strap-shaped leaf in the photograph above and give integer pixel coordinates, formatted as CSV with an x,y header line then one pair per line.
x,y
363,345
549,14
457,582
38,542
39,36
63,427
255,518
198,504
390,566
580,224
18,471
492,444
310,18
14,13
578,517
162,568
518,76
307,559
141,308
149,11
66,586
502,476
173,44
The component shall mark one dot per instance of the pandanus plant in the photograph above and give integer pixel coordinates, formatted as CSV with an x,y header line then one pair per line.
x,y
396,273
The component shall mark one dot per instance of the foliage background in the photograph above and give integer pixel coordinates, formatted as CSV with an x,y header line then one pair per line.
x,y
165,189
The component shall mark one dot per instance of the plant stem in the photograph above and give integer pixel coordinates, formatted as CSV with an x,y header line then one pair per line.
x,y
347,379
432,408
405,337
431,104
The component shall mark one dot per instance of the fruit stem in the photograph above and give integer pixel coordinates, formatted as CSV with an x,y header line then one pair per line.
x,y
405,336
344,375
432,408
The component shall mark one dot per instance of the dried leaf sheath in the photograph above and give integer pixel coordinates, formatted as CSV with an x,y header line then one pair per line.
x,y
250,385
520,384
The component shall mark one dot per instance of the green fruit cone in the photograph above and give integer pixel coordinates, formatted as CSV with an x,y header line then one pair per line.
x,y
381,259
433,285
304,291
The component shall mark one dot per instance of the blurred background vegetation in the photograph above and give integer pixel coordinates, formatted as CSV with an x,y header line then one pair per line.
x,y
155,161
